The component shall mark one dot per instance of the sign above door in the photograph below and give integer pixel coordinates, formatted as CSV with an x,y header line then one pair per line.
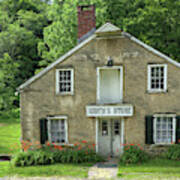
x,y
109,111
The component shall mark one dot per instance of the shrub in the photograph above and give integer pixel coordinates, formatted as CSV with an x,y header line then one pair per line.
x,y
50,154
133,154
173,152
32,158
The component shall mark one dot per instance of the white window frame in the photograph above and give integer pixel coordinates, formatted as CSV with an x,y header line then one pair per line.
x,y
174,128
150,90
66,128
72,82
99,79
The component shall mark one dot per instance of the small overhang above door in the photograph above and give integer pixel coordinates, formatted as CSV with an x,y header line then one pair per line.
x,y
124,110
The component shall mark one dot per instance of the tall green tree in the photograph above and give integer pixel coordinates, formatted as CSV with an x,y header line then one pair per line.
x,y
61,35
156,22
9,69
21,28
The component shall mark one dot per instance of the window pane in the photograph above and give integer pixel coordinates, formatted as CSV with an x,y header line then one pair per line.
x,y
65,81
116,127
57,131
164,129
157,78
104,128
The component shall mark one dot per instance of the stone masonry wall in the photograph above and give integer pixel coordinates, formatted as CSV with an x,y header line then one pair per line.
x,y
40,100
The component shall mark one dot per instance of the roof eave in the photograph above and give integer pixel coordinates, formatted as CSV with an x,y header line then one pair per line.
x,y
61,59
151,49
101,31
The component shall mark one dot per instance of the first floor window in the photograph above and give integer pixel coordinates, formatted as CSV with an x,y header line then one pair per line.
x,y
64,81
57,130
164,129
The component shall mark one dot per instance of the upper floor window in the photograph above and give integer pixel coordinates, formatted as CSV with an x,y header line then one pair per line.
x,y
64,81
110,85
164,129
157,78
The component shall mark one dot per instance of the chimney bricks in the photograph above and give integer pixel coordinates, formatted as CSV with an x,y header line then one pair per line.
x,y
86,20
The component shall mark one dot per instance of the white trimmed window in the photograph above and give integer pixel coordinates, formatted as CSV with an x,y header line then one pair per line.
x,y
157,78
64,81
164,129
57,130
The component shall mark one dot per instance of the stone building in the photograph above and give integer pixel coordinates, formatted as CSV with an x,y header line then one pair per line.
x,y
110,89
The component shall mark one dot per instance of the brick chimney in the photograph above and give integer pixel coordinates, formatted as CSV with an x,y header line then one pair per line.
x,y
86,21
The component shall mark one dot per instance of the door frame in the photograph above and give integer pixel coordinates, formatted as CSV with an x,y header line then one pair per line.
x,y
97,134
99,79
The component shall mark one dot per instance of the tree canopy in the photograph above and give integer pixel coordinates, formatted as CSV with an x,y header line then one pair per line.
x,y
34,33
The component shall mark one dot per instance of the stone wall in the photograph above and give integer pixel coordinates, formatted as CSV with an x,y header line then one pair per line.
x,y
40,100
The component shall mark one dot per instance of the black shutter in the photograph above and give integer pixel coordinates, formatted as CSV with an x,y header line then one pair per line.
x,y
43,130
149,129
178,130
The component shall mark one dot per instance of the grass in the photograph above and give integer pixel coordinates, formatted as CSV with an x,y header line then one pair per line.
x,y
153,169
74,170
10,132
10,144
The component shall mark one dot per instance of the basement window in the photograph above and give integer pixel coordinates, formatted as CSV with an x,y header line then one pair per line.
x,y
64,81
157,78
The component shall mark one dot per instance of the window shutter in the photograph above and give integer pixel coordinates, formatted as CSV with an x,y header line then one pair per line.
x,y
149,129
178,130
43,130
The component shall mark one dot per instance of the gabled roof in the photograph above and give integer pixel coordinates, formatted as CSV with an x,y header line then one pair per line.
x,y
108,27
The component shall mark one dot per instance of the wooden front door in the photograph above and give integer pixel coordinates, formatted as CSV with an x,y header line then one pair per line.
x,y
109,137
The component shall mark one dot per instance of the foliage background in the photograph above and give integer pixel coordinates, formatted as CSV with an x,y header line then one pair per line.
x,y
34,33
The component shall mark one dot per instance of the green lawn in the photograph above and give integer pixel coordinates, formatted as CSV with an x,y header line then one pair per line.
x,y
153,169
10,144
9,132
74,170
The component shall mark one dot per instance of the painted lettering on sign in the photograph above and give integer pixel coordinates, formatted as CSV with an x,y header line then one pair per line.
x,y
98,111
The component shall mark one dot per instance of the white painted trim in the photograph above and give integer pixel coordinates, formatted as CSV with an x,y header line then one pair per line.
x,y
164,115
57,117
98,85
149,78
97,134
49,130
61,59
108,27
151,49
72,81
123,110
66,131
122,134
173,128
99,79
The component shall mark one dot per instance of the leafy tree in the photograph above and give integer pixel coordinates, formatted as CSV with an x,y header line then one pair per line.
x,y
8,71
155,22
20,45
21,28
61,35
